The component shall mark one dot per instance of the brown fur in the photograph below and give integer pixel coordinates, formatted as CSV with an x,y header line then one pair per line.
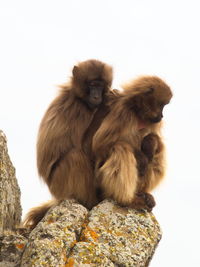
x,y
136,115
61,161
61,155
36,214
129,158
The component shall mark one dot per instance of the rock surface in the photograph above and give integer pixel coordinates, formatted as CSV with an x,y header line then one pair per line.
x,y
108,235
12,244
53,238
10,207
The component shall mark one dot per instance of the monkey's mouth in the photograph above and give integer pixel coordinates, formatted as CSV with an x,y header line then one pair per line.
x,y
94,104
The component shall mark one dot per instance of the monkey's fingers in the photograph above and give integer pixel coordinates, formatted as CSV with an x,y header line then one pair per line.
x,y
143,201
149,199
150,145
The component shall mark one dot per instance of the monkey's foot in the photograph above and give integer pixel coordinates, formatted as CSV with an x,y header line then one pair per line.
x,y
143,201
149,199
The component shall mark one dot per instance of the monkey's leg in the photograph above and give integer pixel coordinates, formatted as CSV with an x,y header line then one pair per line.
x,y
118,175
73,177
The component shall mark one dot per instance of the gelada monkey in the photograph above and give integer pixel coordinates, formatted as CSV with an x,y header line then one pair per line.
x,y
128,147
62,158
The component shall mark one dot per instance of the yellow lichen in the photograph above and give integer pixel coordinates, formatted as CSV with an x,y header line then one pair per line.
x,y
89,233
57,243
117,233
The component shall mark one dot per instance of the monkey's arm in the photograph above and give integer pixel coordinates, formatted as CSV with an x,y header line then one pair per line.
x,y
53,140
142,162
153,147
61,129
109,131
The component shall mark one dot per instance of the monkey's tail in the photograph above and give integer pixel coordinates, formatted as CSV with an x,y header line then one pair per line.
x,y
118,175
36,214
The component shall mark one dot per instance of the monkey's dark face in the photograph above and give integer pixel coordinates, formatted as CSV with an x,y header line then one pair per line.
x,y
153,108
91,79
94,93
149,106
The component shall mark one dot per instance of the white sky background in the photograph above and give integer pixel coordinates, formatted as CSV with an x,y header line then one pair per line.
x,y
40,41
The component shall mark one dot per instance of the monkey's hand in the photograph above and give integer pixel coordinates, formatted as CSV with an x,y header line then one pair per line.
x,y
151,144
143,201
142,162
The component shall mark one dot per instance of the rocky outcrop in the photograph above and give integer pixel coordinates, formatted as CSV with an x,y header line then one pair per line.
x,y
70,235
10,207
108,235
12,244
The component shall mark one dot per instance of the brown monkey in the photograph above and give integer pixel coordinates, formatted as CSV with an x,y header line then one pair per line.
x,y
61,154
129,141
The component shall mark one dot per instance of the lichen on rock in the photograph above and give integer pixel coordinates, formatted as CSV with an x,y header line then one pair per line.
x,y
116,236
10,207
108,235
54,237
12,244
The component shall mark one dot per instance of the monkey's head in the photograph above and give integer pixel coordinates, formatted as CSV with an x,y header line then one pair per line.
x,y
91,80
148,95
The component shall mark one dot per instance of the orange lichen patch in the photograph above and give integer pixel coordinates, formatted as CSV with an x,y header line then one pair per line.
x,y
70,263
20,246
93,234
50,221
84,225
87,233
